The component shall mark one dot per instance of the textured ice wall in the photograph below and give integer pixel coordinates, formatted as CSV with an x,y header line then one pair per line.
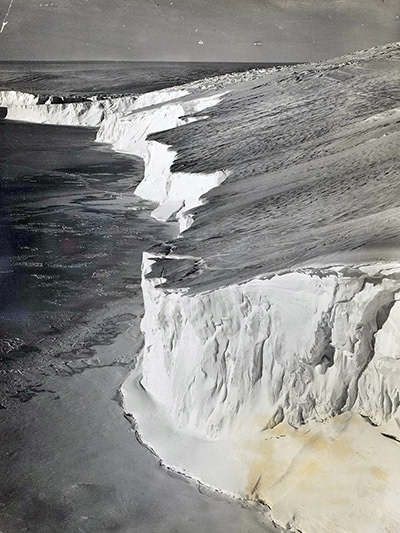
x,y
298,347
17,98
178,192
89,113
282,390
125,122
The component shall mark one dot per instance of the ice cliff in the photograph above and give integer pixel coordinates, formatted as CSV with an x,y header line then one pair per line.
x,y
300,346
272,333
125,122
175,193
272,342
284,390
87,112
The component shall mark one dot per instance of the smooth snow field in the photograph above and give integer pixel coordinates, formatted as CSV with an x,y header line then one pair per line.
x,y
270,366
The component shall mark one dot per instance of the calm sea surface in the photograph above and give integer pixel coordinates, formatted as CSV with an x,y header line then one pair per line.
x,y
96,77
71,230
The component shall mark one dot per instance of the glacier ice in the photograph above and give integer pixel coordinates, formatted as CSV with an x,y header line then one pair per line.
x,y
286,387
300,346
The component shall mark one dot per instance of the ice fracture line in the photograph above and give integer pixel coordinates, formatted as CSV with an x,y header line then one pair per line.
x,y
5,21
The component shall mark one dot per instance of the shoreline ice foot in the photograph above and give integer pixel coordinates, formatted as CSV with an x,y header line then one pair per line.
x,y
299,479
200,461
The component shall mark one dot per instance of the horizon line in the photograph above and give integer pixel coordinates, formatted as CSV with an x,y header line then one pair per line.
x,y
277,62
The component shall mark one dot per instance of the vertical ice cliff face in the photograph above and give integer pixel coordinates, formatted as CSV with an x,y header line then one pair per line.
x,y
178,192
379,387
43,110
299,347
89,112
272,389
11,98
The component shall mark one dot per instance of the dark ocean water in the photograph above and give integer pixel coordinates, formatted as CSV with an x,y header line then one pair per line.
x,y
71,230
97,77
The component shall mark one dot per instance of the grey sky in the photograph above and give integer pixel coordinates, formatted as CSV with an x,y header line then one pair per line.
x,y
197,30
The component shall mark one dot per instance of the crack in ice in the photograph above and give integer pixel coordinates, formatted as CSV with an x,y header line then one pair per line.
x,y
5,21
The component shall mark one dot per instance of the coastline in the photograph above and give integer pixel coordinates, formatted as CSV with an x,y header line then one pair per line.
x,y
71,460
